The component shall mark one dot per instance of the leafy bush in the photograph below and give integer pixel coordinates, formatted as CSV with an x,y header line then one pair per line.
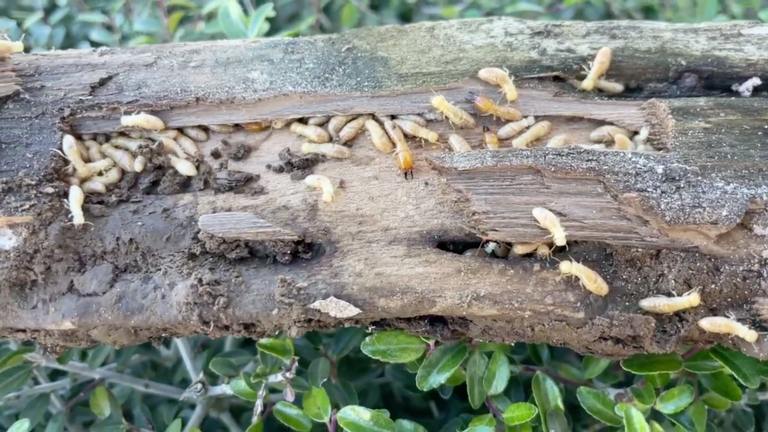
x,y
388,381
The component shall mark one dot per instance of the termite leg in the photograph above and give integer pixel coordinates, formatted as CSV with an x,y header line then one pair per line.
x,y
405,174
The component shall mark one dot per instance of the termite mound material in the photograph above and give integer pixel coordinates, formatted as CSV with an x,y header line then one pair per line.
x,y
688,214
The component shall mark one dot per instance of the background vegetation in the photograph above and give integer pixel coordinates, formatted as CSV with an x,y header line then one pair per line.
x,y
349,379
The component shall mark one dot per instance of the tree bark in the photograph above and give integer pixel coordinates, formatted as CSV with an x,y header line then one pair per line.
x,y
193,259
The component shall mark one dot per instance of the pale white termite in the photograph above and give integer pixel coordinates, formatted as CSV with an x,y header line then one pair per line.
x,y
640,139
457,116
312,133
327,149
421,121
10,47
490,139
524,248
110,177
335,124
606,133
166,133
559,141
604,85
318,120
543,251
458,143
588,278
598,68
511,129
351,129
551,223
501,78
378,136
93,186
416,130
723,325
139,163
622,142
122,158
222,128
322,182
170,145
669,305
75,202
100,165
131,144
183,166
535,132
196,133
143,120
188,145
72,152
94,150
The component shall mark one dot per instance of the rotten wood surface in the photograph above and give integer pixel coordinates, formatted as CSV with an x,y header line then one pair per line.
x,y
690,215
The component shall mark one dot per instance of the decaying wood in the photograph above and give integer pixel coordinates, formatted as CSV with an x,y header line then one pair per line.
x,y
690,215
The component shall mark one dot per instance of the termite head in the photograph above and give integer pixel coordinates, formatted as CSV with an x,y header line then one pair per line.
x,y
483,103
405,162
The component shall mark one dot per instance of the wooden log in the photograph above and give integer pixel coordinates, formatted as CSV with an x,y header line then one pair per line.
x,y
189,260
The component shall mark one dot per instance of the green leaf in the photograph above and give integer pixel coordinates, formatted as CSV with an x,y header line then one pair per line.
x,y
715,401
475,370
658,380
402,425
599,405
232,19
318,371
634,421
644,364
393,346
344,341
458,377
675,399
175,426
21,425
519,413
702,363
354,418
483,420
55,424
281,348
256,427
593,366
497,374
440,365
241,389
230,363
257,22
698,414
547,396
317,405
93,17
13,378
292,416
101,35
349,15
743,367
643,394
723,384
763,15
99,402
655,426
36,409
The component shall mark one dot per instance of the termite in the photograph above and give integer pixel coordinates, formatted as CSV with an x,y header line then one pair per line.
x,y
378,136
72,152
598,68
165,133
551,223
351,129
458,143
421,121
723,325
622,142
170,145
188,145
112,176
318,120
222,128
490,139
100,165
511,129
640,139
75,202
122,158
6,221
496,248
486,106
10,47
327,149
131,144
143,120
524,248
183,166
416,130
559,141
606,133
94,150
94,187
543,251
255,126
321,182
139,164
535,132
280,123
335,124
196,133
588,278
500,78
669,305
604,85
402,150
457,116
312,133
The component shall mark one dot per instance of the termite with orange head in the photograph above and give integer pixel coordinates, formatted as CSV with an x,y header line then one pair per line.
x,y
75,202
378,136
255,126
457,116
669,305
403,152
535,132
490,139
501,78
588,278
458,144
415,130
486,106
323,183
142,120
598,68
312,133
327,149
352,129
551,223
511,129
723,325
622,142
